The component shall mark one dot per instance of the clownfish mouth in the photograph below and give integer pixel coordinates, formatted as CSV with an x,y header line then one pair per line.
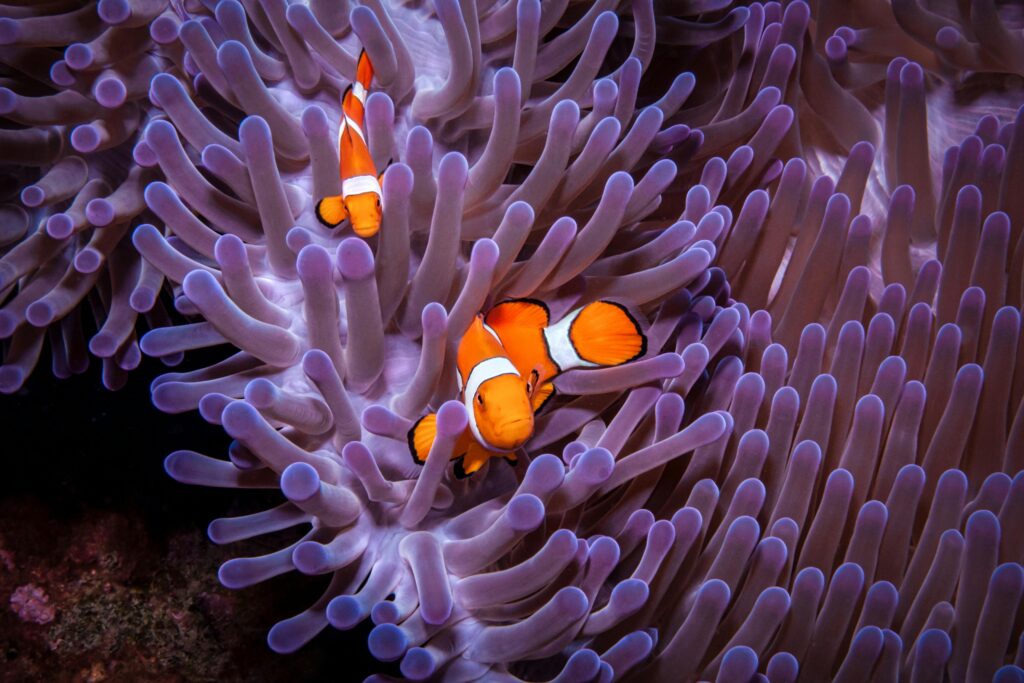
x,y
366,229
512,434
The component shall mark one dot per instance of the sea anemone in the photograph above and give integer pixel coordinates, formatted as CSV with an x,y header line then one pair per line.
x,y
815,472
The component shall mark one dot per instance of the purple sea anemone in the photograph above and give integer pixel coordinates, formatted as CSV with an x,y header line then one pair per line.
x,y
816,472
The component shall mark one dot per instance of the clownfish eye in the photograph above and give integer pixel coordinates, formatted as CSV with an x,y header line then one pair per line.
x,y
378,202
480,400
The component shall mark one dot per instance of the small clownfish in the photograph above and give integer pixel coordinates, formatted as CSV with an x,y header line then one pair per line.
x,y
496,399
600,334
360,198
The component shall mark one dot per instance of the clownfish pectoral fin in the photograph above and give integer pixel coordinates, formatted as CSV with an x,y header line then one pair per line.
x,y
364,69
518,313
475,458
541,396
421,437
606,333
331,211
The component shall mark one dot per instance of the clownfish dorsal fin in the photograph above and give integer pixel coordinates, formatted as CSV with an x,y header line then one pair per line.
x,y
606,333
421,437
541,396
520,313
364,69
331,211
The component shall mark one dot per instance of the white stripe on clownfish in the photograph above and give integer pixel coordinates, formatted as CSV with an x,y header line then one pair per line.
x,y
359,91
563,352
360,184
483,371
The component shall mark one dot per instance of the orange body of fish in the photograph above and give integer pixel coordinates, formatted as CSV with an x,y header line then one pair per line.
x,y
361,195
516,353
497,402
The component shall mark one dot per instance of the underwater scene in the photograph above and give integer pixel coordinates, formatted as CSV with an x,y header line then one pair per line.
x,y
567,341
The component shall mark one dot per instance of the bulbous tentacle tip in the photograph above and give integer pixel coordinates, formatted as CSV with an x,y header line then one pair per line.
x,y
164,30
434,319
110,92
311,558
85,139
283,640
582,665
239,418
344,612
525,512
595,465
314,121
571,602
114,12
546,467
418,664
452,419
1009,674
12,378
355,259
33,196
299,481
176,466
384,612
387,642
314,262
79,56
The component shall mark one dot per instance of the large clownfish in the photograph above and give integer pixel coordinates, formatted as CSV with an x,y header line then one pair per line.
x,y
496,399
360,198
600,334
525,353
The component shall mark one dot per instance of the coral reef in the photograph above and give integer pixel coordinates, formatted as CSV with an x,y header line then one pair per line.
x,y
817,470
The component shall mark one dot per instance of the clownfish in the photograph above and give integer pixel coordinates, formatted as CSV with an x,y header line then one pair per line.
x,y
360,198
600,334
496,400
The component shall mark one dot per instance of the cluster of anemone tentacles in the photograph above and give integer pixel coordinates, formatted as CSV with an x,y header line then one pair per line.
x,y
814,473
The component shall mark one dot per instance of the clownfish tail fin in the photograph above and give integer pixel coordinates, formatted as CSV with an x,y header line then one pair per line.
x,y
364,69
331,211
606,333
421,437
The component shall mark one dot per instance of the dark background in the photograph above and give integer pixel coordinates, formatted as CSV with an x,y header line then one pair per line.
x,y
113,553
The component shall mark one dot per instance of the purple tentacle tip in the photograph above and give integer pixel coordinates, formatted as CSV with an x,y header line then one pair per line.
x,y
79,56
299,481
344,612
355,260
387,642
114,11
